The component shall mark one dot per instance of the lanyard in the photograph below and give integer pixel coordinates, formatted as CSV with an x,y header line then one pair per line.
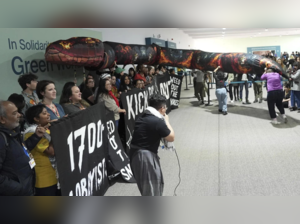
x,y
25,151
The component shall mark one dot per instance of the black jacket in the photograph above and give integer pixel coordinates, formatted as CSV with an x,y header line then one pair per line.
x,y
16,176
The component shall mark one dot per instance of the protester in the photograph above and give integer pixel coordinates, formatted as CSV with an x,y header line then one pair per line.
x,y
82,85
111,102
172,71
258,91
125,84
71,100
114,88
131,73
43,153
88,91
200,86
16,164
119,72
295,89
230,79
287,96
245,83
28,83
19,102
221,92
138,84
140,76
162,70
149,129
275,94
236,88
47,93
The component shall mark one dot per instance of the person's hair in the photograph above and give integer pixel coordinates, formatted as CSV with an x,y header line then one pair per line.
x,y
287,85
220,75
2,109
26,79
157,101
160,67
34,112
66,93
149,68
87,81
41,87
270,69
123,80
140,68
102,88
18,100
132,69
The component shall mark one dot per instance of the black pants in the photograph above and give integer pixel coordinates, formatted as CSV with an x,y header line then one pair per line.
x,y
230,92
194,82
236,92
275,97
47,191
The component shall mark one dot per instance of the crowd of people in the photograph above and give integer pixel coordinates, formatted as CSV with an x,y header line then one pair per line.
x,y
27,157
284,93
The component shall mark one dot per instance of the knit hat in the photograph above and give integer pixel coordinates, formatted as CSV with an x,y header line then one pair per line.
x,y
119,70
105,76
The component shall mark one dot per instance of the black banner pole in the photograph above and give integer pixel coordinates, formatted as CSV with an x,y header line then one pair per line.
x,y
186,82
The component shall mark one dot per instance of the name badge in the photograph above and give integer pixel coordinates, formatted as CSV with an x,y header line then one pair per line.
x,y
32,163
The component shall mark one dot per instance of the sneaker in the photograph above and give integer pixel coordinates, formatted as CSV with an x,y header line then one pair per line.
x,y
255,101
220,111
247,102
293,108
225,113
285,120
260,101
275,122
240,100
231,101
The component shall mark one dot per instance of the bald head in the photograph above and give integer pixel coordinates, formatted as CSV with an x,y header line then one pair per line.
x,y
9,116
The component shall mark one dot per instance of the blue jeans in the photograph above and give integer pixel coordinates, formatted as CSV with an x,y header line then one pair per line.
x,y
241,90
222,98
295,98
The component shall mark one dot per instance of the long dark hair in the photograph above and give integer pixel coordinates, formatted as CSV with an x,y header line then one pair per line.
x,y
101,88
66,93
134,73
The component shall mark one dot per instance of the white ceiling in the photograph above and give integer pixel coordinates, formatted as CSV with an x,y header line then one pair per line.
x,y
199,33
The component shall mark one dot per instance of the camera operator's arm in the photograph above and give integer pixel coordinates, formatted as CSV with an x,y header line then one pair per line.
x,y
171,136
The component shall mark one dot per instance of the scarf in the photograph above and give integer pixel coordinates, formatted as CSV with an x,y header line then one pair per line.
x,y
113,96
165,144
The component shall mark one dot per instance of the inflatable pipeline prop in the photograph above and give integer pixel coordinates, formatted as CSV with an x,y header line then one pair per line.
x,y
93,54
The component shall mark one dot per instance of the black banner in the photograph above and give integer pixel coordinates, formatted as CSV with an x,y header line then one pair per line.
x,y
136,101
84,143
176,82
